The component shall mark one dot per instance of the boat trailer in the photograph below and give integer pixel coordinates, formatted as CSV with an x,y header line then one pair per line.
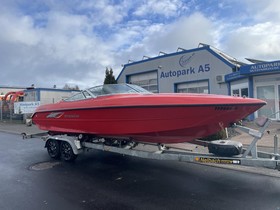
x,y
69,147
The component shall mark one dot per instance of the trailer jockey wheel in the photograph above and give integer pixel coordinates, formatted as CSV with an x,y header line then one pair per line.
x,y
225,148
53,147
66,151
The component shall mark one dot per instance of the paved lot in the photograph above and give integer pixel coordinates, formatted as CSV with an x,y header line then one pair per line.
x,y
100,180
18,128
267,139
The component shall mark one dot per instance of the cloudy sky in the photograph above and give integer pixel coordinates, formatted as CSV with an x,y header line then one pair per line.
x,y
58,42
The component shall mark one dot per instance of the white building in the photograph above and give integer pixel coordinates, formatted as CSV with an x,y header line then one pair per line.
x,y
259,80
199,70
6,89
47,95
207,70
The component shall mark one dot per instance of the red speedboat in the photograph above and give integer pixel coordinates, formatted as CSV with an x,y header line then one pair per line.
x,y
130,112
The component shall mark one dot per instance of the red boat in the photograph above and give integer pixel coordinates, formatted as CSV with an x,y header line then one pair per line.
x,y
126,111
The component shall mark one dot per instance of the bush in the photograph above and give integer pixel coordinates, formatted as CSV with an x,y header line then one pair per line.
x,y
219,135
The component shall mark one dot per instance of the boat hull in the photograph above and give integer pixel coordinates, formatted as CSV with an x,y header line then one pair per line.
x,y
173,123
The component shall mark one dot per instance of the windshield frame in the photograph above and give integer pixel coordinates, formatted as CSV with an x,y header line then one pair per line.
x,y
108,89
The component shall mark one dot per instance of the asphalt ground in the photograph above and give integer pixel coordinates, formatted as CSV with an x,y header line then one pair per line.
x,y
102,180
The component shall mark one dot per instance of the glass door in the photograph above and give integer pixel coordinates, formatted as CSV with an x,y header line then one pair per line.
x,y
267,93
278,104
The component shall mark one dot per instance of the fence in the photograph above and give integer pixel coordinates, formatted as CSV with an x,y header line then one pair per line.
x,y
16,112
7,113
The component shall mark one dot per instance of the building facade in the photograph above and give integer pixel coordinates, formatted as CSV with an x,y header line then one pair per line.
x,y
207,70
260,80
6,89
199,70
47,95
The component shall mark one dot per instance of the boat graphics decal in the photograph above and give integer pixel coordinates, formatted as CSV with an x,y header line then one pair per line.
x,y
71,116
225,108
235,106
55,115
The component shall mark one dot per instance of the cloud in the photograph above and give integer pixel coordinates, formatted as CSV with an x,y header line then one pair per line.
x,y
56,42
165,8
186,32
17,29
261,41
62,50
104,12
256,32
262,11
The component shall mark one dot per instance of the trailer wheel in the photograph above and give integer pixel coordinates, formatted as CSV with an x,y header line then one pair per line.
x,y
66,151
53,147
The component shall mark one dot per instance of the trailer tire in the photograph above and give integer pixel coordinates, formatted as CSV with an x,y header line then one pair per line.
x,y
53,147
66,151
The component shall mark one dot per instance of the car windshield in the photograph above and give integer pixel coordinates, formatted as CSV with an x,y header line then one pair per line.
x,y
109,89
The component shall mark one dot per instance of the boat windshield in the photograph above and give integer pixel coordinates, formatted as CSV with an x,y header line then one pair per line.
x,y
109,89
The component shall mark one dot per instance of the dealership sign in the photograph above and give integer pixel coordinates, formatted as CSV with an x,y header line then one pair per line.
x,y
185,60
261,68
234,76
184,72
26,107
188,68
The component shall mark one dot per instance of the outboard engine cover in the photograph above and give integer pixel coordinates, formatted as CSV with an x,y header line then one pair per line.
x,y
225,148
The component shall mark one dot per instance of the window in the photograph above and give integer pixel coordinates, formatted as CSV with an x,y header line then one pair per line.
x,y
148,80
78,96
235,92
240,88
86,94
193,87
242,92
